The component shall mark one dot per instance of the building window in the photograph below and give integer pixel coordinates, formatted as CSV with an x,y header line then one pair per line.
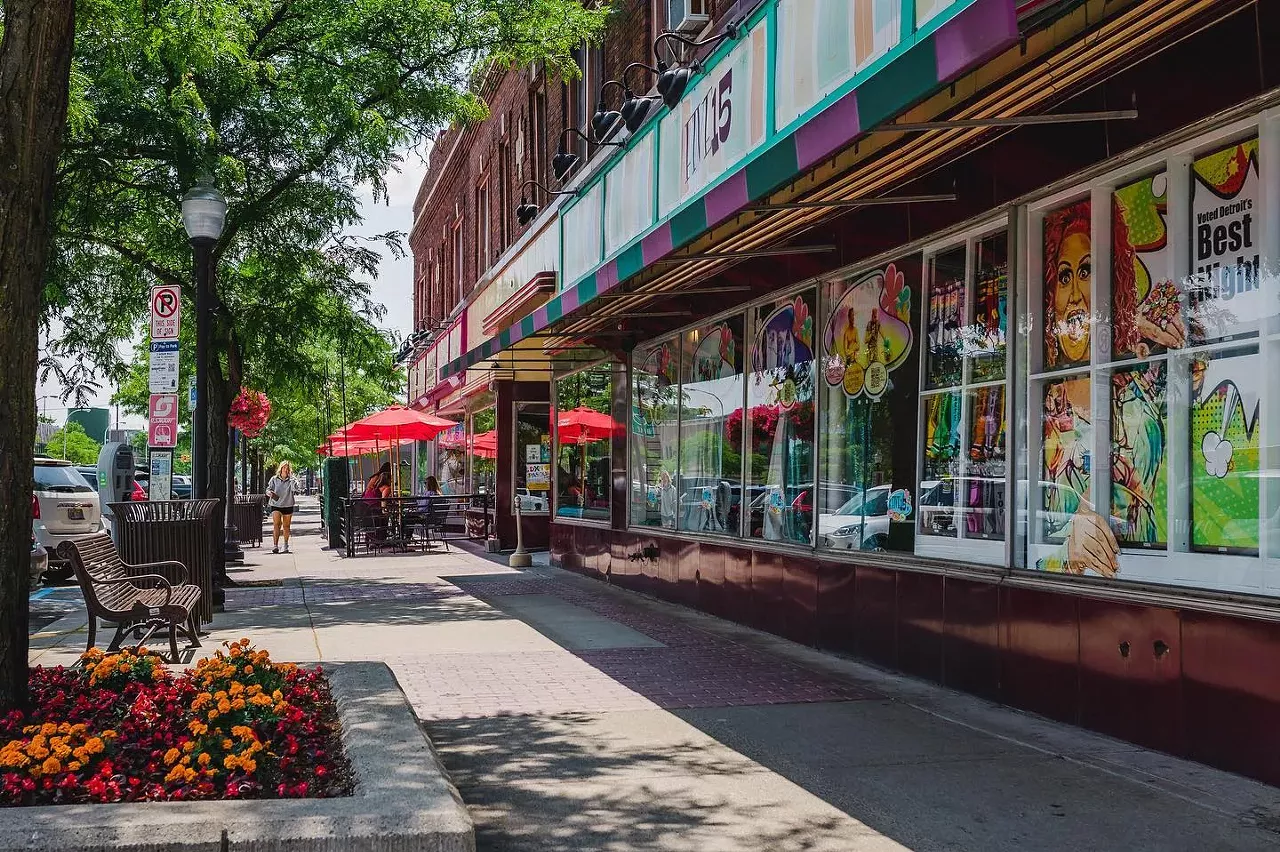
x,y
655,422
483,226
584,430
1148,393
456,292
711,394
505,206
538,156
779,422
533,457
869,387
961,492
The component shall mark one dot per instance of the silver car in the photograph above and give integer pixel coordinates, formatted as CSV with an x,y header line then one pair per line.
x,y
66,508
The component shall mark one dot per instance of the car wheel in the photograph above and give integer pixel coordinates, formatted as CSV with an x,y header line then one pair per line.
x,y
58,574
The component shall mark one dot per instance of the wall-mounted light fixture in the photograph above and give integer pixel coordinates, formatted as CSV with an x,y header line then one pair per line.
x,y
565,161
605,120
526,212
673,81
636,108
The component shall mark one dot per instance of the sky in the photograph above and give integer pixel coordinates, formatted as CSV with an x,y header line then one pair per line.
x,y
393,286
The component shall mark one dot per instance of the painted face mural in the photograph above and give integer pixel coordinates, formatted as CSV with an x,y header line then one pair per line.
x,y
1068,281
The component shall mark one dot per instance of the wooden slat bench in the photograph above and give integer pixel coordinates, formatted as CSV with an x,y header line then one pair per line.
x,y
139,599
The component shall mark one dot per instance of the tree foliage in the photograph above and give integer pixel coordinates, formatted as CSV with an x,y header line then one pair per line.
x,y
72,443
290,106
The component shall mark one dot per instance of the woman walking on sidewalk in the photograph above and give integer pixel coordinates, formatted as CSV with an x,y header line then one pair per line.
x,y
281,500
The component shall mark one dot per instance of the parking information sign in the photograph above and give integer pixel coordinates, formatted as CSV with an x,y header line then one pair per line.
x,y
164,366
162,425
160,487
166,312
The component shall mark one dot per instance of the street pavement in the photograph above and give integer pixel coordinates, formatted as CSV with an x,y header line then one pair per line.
x,y
576,716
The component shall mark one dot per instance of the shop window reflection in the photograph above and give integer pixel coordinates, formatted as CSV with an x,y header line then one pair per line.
x,y
710,489
655,413
584,442
779,424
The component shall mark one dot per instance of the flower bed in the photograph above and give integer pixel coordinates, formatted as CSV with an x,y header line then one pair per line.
x,y
123,728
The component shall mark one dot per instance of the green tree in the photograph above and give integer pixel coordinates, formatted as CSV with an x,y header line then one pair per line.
x,y
291,106
36,39
72,443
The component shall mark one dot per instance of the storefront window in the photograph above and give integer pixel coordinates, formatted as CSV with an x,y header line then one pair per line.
x,y
483,446
962,409
711,393
655,413
1153,391
779,421
869,376
584,440
451,460
533,457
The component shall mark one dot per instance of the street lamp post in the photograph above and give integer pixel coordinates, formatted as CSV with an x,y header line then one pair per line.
x,y
204,212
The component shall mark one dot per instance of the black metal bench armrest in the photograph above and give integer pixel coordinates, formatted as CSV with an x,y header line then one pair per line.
x,y
183,577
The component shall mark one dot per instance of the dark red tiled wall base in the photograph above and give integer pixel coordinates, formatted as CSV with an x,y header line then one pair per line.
x,y
1192,684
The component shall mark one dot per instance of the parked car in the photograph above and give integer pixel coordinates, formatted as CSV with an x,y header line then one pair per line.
x,y
90,474
65,508
181,487
39,561
532,501
862,523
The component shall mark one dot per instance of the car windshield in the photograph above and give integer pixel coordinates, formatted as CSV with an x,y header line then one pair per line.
x,y
62,478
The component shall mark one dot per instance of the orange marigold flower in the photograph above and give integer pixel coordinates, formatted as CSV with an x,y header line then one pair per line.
x,y
203,760
51,766
171,757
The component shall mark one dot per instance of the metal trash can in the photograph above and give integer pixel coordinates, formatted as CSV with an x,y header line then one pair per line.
x,y
247,515
186,531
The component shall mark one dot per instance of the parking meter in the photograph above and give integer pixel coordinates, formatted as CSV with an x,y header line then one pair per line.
x,y
115,478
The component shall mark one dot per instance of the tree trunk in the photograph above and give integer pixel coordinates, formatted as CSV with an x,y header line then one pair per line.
x,y
35,64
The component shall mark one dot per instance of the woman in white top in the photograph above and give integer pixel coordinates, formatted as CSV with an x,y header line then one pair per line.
x,y
280,499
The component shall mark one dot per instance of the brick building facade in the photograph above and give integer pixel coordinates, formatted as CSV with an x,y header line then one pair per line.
x,y
464,215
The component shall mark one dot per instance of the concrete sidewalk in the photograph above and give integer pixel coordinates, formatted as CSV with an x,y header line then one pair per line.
x,y
573,715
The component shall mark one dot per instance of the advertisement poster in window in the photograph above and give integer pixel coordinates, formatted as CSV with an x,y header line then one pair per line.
x,y
1139,468
780,408
1068,282
1225,391
1224,297
1146,314
1083,540
870,386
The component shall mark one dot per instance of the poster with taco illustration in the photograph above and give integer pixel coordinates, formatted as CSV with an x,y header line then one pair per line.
x,y
869,334
1146,312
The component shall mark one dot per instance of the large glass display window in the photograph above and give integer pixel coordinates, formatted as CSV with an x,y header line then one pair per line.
x,y
1151,390
779,419
533,457
709,498
584,429
869,386
654,434
963,435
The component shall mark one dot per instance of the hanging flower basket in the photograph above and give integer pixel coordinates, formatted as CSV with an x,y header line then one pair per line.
x,y
249,413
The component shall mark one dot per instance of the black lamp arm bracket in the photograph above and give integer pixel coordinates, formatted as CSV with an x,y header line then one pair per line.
x,y
576,132
544,189
607,84
625,71
733,30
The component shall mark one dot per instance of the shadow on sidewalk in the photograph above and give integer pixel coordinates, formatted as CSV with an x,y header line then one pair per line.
x,y
555,783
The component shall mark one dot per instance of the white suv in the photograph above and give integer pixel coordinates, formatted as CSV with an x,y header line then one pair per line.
x,y
66,508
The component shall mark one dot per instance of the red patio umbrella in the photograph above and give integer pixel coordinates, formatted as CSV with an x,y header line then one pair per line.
x,y
398,423
584,424
485,445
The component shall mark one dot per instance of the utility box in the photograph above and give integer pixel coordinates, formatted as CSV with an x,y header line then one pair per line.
x,y
337,486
